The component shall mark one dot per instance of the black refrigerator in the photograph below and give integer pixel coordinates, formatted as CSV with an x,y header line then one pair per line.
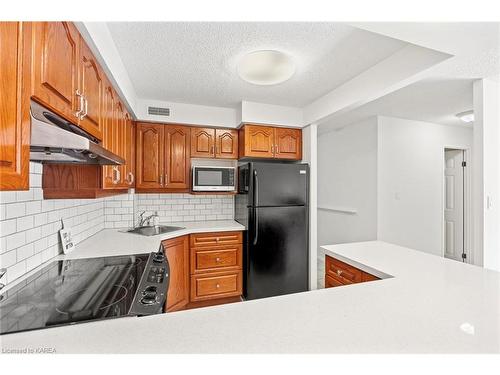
x,y
273,205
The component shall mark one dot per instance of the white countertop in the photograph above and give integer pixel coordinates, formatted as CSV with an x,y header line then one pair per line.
x,y
109,242
431,305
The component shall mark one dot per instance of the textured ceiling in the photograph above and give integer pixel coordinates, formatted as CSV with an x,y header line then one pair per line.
x,y
196,62
431,100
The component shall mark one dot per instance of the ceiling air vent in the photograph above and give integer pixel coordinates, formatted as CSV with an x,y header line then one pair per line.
x,y
158,111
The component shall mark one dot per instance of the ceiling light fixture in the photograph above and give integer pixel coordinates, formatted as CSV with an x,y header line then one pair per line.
x,y
467,116
266,67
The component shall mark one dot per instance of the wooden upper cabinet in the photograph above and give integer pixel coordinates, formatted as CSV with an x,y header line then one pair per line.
x,y
214,143
176,156
256,141
149,156
177,253
110,135
55,67
226,143
91,87
129,150
288,143
14,105
202,142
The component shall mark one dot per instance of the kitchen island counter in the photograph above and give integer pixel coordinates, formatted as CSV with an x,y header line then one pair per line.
x,y
429,305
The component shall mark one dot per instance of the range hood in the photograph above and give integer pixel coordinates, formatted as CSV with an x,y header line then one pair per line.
x,y
55,140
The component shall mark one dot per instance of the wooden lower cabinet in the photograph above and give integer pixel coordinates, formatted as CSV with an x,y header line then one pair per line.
x,y
216,266
203,275
177,253
216,285
338,273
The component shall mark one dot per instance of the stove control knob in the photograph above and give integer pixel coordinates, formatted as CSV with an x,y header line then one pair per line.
x,y
158,257
149,299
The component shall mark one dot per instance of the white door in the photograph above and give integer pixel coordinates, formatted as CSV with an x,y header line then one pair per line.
x,y
454,204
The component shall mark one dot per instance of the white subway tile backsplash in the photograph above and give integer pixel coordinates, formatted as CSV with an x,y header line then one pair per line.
x,y
8,259
24,223
7,227
185,207
15,210
14,241
25,251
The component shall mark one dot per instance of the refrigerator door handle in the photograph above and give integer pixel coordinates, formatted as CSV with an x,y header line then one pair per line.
x,y
256,204
255,226
255,189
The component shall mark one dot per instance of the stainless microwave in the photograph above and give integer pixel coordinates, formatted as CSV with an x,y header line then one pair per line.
x,y
214,178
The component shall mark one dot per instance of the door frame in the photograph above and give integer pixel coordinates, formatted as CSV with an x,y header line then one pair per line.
x,y
467,202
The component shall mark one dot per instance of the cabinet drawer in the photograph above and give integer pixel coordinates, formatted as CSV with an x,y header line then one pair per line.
x,y
331,282
342,271
220,258
369,277
216,238
216,285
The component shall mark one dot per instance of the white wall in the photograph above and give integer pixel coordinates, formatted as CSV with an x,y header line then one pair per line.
x,y
262,113
410,180
347,179
486,182
191,114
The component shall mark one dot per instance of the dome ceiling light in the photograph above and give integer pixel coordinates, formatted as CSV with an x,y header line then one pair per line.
x,y
266,67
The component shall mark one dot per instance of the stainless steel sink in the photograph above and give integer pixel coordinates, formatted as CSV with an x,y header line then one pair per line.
x,y
154,230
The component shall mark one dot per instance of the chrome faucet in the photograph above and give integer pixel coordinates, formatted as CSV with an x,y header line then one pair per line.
x,y
143,220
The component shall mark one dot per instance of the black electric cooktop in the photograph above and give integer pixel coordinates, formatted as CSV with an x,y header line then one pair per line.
x,y
78,290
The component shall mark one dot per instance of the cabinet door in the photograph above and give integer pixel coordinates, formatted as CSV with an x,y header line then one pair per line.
x,y
55,67
177,253
129,151
258,141
110,135
202,142
288,143
226,144
91,86
14,105
176,158
120,142
149,156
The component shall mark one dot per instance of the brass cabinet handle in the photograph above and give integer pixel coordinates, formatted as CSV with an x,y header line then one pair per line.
x,y
86,106
272,149
276,149
81,105
166,179
217,259
130,178
161,180
339,272
217,286
116,173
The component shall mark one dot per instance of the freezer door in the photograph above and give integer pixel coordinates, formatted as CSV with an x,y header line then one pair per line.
x,y
276,252
278,184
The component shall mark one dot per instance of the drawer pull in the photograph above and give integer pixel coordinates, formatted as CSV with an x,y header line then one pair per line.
x,y
339,272
217,259
217,239
217,286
